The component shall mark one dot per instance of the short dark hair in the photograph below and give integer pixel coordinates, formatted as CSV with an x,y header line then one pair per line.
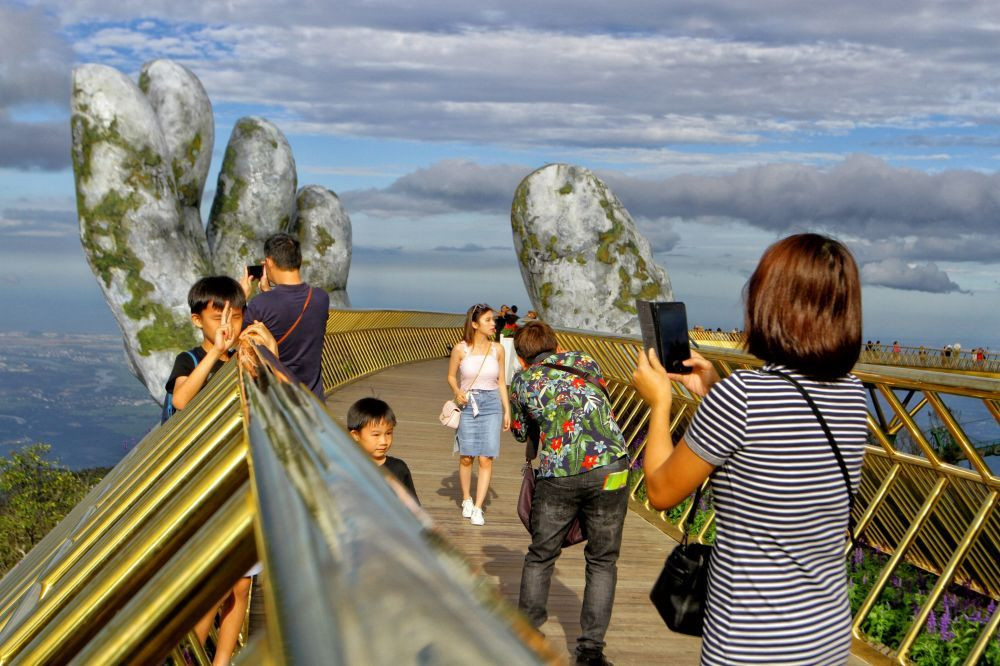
x,y
803,307
534,338
216,290
513,309
368,411
284,250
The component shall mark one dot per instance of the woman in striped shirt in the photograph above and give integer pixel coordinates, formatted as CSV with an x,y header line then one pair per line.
x,y
777,581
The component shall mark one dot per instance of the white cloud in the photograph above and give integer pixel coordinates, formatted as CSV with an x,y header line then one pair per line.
x,y
898,274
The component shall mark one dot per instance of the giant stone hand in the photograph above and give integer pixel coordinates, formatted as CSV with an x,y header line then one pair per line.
x,y
141,156
583,261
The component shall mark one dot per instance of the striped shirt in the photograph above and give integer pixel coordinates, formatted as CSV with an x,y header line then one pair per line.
x,y
777,581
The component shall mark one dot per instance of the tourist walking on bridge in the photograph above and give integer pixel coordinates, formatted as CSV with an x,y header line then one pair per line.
x,y
559,399
777,589
480,388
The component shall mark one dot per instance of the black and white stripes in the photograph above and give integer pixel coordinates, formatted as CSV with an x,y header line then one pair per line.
x,y
778,588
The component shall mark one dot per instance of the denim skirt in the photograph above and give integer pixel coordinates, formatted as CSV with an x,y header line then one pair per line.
x,y
479,434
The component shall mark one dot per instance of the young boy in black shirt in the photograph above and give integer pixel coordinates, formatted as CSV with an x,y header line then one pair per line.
x,y
371,422
217,305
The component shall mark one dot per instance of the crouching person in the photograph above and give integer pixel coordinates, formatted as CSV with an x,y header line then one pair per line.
x,y
582,471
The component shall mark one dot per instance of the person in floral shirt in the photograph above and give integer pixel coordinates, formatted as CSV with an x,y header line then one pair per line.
x,y
583,466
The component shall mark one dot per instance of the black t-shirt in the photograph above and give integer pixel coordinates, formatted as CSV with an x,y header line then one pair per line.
x,y
398,469
184,365
302,351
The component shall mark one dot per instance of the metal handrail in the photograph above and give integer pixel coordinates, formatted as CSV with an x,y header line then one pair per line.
x,y
124,578
911,504
346,558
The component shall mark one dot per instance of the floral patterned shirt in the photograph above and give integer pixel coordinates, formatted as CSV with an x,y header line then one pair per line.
x,y
577,431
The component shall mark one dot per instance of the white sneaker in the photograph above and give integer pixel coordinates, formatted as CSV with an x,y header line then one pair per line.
x,y
477,516
467,507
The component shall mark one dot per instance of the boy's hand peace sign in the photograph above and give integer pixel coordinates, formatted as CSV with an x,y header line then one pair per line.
x,y
224,334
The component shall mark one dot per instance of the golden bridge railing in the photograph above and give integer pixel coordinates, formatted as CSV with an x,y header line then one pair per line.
x,y
967,360
912,504
155,545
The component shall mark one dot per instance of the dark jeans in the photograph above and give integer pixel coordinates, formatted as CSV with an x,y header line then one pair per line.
x,y
556,502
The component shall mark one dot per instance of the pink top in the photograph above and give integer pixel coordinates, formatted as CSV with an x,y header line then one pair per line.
x,y
489,377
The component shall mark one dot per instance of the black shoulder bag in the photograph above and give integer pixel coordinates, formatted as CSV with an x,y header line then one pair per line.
x,y
681,590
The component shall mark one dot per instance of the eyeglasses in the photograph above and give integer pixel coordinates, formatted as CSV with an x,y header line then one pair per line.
x,y
480,308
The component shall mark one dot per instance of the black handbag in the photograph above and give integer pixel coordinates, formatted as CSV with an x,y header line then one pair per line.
x,y
681,591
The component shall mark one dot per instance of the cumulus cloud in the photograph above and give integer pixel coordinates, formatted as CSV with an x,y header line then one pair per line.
x,y
571,74
892,218
660,233
35,73
862,196
443,187
898,274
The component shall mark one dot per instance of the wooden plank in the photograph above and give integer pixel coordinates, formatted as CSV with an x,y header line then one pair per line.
x,y
636,634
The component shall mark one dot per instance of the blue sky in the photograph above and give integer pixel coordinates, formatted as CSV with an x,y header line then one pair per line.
x,y
721,125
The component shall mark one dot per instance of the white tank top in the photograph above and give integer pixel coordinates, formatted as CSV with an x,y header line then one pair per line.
x,y
489,377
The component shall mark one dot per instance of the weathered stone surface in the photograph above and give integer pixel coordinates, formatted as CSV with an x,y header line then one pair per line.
x,y
185,115
582,259
324,229
130,223
255,196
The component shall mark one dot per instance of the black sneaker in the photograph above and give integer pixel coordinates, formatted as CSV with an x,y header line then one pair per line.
x,y
592,659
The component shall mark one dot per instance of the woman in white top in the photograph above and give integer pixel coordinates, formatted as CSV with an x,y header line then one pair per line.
x,y
476,379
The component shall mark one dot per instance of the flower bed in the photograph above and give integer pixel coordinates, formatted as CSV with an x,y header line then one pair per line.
x,y
952,628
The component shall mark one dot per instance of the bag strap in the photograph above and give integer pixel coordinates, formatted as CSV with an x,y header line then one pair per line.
x,y
579,373
833,445
306,305
690,514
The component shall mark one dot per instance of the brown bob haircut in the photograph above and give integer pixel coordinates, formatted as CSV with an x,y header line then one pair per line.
x,y
803,307
472,315
534,338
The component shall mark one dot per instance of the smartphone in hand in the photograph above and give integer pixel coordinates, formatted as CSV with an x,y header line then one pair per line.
x,y
664,328
256,271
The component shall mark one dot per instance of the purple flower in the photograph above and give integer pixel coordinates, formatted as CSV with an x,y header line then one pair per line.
x,y
931,623
858,557
946,633
896,582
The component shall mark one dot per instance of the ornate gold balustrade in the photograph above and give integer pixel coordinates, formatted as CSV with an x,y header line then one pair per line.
x,y
912,505
157,543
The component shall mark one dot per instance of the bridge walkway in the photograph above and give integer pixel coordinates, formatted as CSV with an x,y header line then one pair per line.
x,y
636,634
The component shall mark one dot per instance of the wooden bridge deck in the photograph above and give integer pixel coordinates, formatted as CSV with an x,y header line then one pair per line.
x,y
636,634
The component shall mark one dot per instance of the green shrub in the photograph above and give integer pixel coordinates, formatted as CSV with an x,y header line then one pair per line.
x,y
36,492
